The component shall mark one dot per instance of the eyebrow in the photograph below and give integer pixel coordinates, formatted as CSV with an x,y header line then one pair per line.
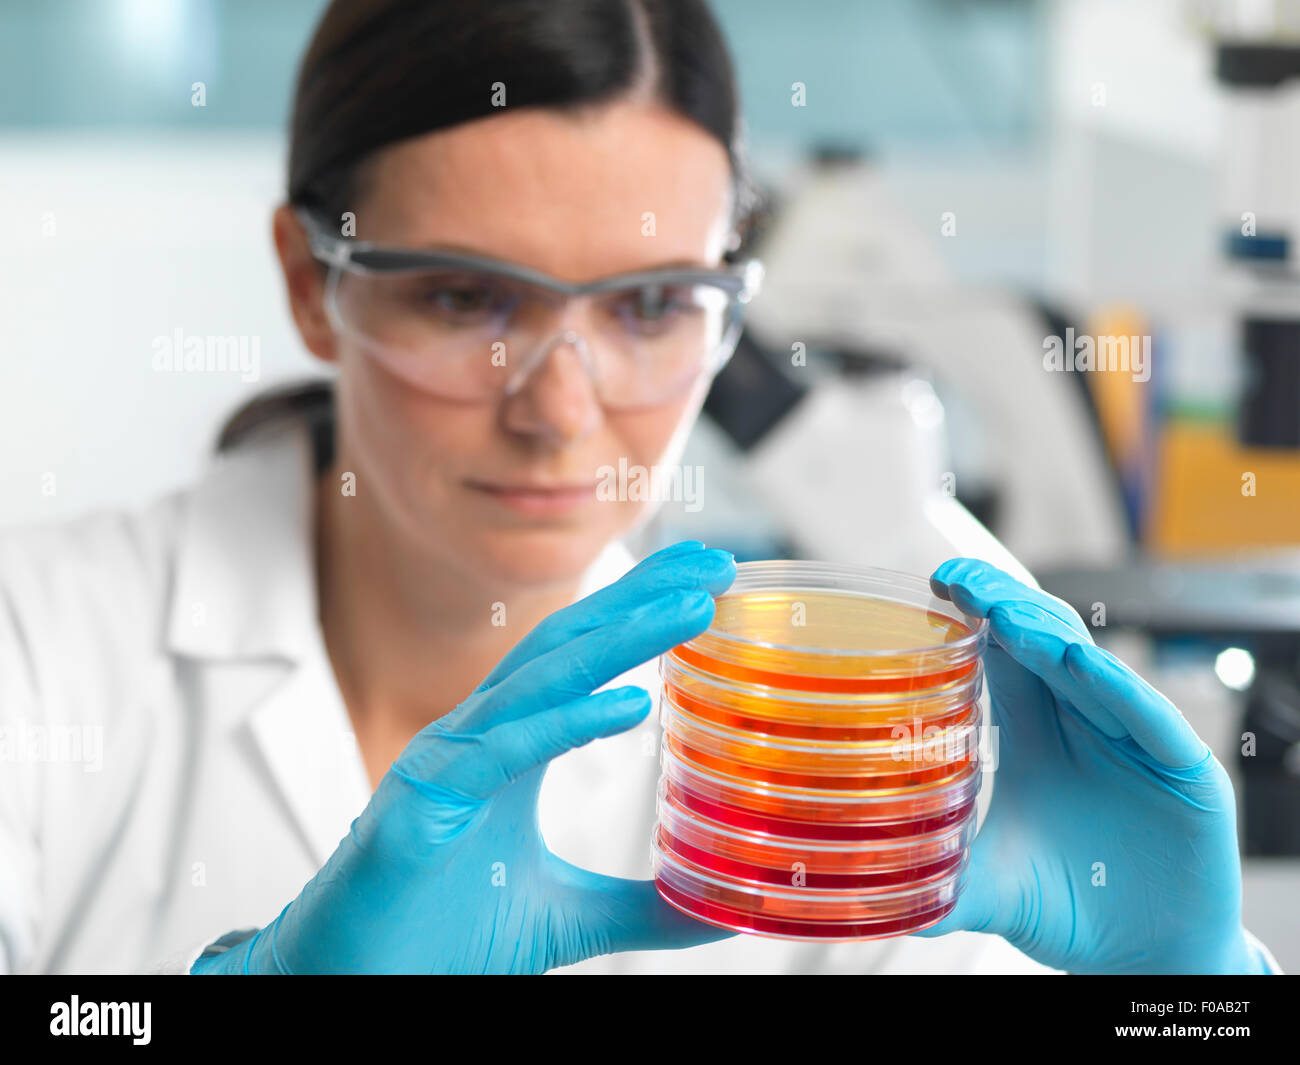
x,y
463,249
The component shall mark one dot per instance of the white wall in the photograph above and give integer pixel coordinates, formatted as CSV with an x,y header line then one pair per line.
x,y
112,242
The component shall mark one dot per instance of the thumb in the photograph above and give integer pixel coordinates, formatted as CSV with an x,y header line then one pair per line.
x,y
977,906
613,914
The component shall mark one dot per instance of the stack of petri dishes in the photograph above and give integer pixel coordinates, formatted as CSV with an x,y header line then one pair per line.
x,y
820,759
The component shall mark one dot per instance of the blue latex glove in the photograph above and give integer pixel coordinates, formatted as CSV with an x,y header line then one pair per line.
x,y
1094,766
445,869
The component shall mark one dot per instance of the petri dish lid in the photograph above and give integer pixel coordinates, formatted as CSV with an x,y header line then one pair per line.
x,y
677,819
695,879
822,626
945,745
932,796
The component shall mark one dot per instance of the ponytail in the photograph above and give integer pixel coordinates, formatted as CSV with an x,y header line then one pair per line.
x,y
311,401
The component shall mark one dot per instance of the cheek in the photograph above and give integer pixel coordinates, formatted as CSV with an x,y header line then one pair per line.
x,y
652,439
407,441
657,437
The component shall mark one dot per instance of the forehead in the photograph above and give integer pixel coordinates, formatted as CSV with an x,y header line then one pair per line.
x,y
620,187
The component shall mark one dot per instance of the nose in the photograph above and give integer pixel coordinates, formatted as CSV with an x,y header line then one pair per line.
x,y
552,397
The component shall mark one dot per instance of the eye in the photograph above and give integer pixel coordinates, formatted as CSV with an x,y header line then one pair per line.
x,y
653,307
460,299
463,299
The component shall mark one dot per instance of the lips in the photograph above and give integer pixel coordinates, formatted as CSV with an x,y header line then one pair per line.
x,y
537,499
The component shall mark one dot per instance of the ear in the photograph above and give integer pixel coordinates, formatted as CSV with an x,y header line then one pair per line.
x,y
304,281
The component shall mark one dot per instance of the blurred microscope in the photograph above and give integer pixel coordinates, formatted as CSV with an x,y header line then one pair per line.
x,y
855,412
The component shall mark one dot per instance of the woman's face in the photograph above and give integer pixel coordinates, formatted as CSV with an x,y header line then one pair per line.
x,y
567,196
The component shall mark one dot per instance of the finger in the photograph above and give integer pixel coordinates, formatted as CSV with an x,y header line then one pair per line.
x,y
1099,687
476,766
1149,717
592,659
975,587
1037,641
684,565
965,916
1015,698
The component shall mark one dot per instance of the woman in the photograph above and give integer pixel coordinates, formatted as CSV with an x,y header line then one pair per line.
x,y
287,664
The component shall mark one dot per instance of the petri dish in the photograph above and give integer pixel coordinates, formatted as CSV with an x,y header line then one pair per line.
x,y
743,751
752,854
821,627
820,764
858,813
804,913
817,715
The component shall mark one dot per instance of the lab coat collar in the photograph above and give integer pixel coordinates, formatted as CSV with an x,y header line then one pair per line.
x,y
245,593
245,584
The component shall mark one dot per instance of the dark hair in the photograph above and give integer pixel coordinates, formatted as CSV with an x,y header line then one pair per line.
x,y
380,71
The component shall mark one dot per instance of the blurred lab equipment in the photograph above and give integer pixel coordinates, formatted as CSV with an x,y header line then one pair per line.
x,y
836,396
1248,610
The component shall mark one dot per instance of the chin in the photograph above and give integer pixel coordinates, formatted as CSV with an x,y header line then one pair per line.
x,y
537,555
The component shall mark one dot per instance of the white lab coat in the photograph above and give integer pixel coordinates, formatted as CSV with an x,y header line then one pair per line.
x,y
199,764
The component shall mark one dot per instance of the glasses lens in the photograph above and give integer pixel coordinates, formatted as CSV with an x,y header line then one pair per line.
x,y
439,329
459,332
652,341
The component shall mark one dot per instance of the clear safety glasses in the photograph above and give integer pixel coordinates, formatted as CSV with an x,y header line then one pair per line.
x,y
465,327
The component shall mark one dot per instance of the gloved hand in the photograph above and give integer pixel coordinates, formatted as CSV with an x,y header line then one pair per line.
x,y
445,870
1111,842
